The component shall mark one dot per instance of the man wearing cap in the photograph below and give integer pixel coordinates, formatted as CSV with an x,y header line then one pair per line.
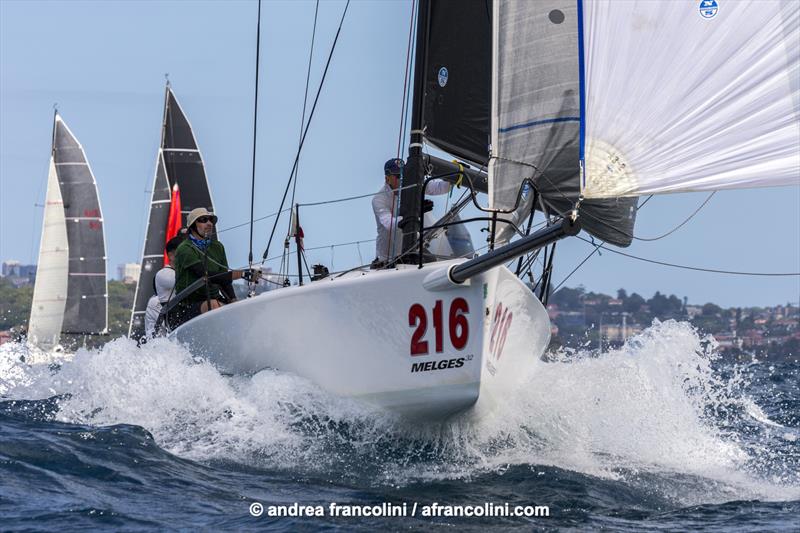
x,y
199,257
385,206
164,287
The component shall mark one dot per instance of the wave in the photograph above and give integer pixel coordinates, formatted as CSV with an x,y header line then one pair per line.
x,y
657,415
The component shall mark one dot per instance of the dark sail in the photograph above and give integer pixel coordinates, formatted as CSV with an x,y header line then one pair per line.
x,y
539,78
537,112
179,161
86,305
458,77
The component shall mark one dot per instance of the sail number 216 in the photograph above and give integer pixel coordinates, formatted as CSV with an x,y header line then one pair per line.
x,y
458,326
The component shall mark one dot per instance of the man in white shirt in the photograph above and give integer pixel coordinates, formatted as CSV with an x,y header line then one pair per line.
x,y
164,285
385,205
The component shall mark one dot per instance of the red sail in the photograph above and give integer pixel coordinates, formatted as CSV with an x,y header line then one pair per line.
x,y
174,220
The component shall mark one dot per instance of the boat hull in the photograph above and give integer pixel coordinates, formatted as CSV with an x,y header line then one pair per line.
x,y
381,336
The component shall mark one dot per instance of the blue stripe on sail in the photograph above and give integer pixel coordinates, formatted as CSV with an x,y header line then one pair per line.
x,y
538,123
582,90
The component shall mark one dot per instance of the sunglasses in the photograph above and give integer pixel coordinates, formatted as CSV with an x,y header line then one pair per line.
x,y
203,220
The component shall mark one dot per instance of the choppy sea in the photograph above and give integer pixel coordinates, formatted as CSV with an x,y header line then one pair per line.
x,y
658,435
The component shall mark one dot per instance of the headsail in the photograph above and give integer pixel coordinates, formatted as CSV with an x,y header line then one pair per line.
x,y
50,290
691,96
536,117
178,162
70,295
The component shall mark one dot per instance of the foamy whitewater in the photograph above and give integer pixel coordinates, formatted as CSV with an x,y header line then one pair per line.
x,y
658,420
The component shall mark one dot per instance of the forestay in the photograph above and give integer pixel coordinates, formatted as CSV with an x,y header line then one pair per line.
x,y
691,95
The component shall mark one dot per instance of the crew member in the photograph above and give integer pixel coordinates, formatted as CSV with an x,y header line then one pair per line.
x,y
385,205
201,257
164,287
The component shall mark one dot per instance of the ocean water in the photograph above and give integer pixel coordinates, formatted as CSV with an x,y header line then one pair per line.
x,y
659,435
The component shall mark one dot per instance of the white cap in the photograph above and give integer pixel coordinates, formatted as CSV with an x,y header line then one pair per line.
x,y
165,282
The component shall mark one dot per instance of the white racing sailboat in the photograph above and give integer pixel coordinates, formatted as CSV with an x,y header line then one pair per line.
x,y
70,294
178,163
586,104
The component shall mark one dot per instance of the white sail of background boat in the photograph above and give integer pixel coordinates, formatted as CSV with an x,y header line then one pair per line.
x,y
70,294
436,338
178,162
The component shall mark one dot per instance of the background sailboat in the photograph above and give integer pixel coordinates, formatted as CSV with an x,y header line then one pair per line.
x,y
70,295
180,163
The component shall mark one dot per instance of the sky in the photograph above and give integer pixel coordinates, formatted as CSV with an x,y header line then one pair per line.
x,y
104,65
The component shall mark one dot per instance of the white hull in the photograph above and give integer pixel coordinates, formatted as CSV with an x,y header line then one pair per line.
x,y
355,335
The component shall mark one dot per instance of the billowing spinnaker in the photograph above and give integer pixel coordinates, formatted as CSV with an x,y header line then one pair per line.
x,y
691,96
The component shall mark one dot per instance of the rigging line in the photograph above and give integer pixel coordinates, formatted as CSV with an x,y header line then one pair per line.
x,y
305,97
259,219
325,202
255,131
679,226
308,124
405,81
337,245
596,248
699,269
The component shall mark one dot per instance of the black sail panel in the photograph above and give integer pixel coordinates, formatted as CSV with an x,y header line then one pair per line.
x,y
182,158
458,78
177,130
536,133
86,306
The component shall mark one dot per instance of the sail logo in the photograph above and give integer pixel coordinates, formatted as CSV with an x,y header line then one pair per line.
x,y
708,8
443,75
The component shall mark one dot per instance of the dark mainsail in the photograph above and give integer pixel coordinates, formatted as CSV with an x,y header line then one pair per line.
x,y
458,77
537,56
86,306
178,162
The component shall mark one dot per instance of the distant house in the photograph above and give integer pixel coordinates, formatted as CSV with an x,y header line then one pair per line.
x,y
129,272
616,333
18,274
693,311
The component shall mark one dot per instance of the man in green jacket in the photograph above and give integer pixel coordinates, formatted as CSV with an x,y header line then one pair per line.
x,y
201,257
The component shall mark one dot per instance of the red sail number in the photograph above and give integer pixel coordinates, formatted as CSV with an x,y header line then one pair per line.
x,y
417,317
458,326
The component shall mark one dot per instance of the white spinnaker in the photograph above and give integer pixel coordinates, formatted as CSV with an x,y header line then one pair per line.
x,y
676,101
50,290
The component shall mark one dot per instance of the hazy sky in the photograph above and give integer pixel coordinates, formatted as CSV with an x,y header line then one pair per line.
x,y
104,64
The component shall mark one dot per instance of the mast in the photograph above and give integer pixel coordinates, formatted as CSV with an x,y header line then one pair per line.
x,y
414,170
153,246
